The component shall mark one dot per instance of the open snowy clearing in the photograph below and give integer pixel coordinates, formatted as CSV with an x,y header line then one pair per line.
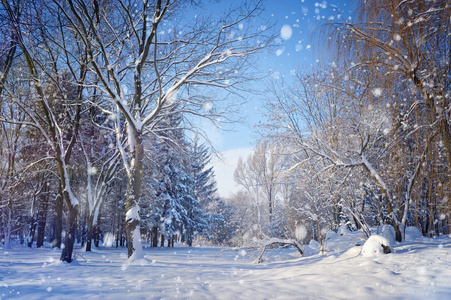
x,y
418,269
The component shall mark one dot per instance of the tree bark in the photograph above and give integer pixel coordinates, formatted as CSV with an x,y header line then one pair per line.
x,y
58,221
189,235
32,231
42,218
89,234
71,227
277,242
132,222
96,234
398,235
155,236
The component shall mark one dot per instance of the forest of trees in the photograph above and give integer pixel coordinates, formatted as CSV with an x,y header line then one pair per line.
x,y
99,106
361,139
99,102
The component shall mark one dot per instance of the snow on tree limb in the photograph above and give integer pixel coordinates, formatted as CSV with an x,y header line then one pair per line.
x,y
265,244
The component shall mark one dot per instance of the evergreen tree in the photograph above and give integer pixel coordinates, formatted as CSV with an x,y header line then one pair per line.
x,y
176,208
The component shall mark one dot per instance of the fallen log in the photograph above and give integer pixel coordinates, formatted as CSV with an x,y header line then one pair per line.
x,y
272,242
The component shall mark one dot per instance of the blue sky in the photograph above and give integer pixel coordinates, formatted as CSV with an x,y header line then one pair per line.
x,y
294,20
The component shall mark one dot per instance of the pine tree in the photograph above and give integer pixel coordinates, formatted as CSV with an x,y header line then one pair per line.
x,y
204,186
175,208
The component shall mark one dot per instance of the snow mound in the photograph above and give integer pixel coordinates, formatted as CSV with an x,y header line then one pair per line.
x,y
312,248
412,233
376,245
137,258
342,240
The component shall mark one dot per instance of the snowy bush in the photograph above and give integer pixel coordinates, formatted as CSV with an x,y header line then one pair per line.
x,y
376,245
344,230
331,235
342,239
312,248
412,233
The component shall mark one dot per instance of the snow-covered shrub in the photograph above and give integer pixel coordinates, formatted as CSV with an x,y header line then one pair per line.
x,y
376,245
312,248
342,240
412,233
344,230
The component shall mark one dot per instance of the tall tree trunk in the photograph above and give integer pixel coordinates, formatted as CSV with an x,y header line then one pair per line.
x,y
96,234
71,227
89,233
42,218
119,232
398,234
58,220
270,208
132,219
155,236
30,238
189,235
8,226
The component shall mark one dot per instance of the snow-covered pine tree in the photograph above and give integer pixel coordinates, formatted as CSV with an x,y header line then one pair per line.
x,y
175,208
204,187
221,226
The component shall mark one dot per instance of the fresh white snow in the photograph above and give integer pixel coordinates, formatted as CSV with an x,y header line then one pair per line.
x,y
374,246
417,269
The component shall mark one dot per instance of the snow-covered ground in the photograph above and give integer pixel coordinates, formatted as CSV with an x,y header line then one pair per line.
x,y
419,268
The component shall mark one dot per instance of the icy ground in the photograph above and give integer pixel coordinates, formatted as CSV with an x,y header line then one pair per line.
x,y
419,268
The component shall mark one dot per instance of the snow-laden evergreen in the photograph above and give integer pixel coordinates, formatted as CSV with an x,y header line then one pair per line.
x,y
181,187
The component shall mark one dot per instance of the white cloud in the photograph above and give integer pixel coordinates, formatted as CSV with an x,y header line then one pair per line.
x,y
225,168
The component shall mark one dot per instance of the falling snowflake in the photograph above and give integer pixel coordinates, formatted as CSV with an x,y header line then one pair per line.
x,y
93,171
377,92
286,32
207,106
301,232
280,51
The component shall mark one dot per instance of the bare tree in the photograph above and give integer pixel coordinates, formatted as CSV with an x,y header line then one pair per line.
x,y
405,44
102,164
341,121
55,108
260,175
146,68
